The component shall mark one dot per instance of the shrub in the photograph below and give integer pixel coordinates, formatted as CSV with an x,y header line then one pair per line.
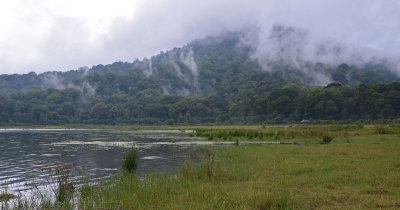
x,y
326,139
129,163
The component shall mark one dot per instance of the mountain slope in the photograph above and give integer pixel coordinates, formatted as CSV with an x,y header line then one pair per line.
x,y
219,63
231,78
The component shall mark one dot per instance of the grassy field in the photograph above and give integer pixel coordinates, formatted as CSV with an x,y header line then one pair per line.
x,y
358,169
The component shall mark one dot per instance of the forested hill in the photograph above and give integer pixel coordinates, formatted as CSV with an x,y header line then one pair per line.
x,y
226,79
226,63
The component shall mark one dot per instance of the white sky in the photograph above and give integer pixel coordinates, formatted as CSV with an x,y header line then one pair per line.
x,y
43,35
48,35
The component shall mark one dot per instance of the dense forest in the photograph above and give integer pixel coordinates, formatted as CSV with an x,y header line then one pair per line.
x,y
214,80
292,103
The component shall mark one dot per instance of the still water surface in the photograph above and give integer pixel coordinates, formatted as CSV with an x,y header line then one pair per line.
x,y
28,156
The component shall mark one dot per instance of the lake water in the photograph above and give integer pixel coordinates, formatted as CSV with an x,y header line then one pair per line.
x,y
27,157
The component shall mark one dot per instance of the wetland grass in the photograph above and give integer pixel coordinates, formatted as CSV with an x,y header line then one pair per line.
x,y
129,163
4,197
359,170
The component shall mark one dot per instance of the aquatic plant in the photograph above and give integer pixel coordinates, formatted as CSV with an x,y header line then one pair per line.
x,y
65,187
129,164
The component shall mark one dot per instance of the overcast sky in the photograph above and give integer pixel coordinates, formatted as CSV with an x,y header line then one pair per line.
x,y
59,35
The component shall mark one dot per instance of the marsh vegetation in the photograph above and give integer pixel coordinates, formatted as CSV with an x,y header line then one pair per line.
x,y
358,169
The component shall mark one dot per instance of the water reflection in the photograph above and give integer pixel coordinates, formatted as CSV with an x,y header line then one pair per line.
x,y
27,156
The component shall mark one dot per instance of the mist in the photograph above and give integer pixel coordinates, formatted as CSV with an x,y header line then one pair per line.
x,y
43,39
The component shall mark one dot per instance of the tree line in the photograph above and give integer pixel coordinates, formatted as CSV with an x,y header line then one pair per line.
x,y
288,104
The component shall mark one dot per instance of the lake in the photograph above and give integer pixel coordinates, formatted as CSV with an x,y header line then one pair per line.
x,y
27,157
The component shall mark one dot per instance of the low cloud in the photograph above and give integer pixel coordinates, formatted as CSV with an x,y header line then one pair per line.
x,y
43,39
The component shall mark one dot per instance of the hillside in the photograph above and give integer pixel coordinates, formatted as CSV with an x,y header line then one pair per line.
x,y
205,66
228,78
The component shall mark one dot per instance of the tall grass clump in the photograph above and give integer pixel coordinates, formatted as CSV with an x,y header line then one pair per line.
x,y
6,196
64,185
129,164
280,199
59,195
326,139
201,166
380,130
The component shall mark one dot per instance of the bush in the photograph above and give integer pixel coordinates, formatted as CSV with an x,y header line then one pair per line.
x,y
129,163
326,139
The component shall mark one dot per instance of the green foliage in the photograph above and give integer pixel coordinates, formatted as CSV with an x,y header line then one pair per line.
x,y
267,177
381,130
226,86
326,139
277,176
129,164
360,125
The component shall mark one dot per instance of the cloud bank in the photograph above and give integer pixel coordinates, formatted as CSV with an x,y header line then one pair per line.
x,y
48,35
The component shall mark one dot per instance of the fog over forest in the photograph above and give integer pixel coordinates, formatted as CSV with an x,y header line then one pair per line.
x,y
58,36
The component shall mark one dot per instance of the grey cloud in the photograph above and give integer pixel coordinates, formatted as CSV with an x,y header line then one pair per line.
x,y
162,25
159,25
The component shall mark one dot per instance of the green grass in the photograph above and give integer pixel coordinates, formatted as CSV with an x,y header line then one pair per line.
x,y
359,170
311,134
